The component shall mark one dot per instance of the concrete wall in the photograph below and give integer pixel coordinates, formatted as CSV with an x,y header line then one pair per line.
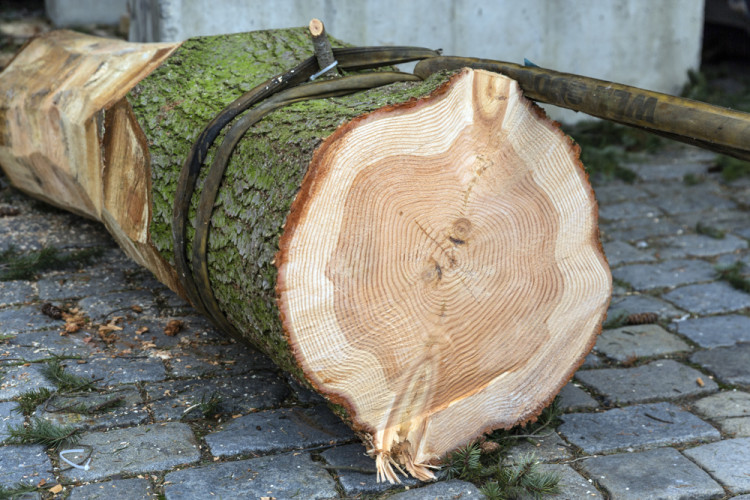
x,y
65,13
646,43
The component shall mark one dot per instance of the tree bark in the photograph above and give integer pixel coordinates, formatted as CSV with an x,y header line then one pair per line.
x,y
425,254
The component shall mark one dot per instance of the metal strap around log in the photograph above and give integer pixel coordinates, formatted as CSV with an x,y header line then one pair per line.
x,y
712,127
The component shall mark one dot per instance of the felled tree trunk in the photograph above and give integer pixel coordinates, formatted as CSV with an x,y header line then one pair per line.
x,y
425,254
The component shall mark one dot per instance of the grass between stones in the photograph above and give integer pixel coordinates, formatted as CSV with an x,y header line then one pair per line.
x,y
735,276
482,463
17,491
44,432
17,265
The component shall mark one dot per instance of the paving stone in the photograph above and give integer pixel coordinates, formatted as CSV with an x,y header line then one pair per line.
x,y
725,404
619,252
303,394
220,360
238,394
629,210
45,344
16,292
727,461
279,476
638,427
119,489
10,416
692,201
573,398
147,448
716,331
275,430
98,307
107,370
735,427
15,380
591,361
728,260
130,410
665,274
729,364
27,464
547,447
617,192
711,298
19,319
572,485
731,221
195,329
358,483
670,170
659,380
639,229
698,245
659,474
624,343
94,282
636,304
442,490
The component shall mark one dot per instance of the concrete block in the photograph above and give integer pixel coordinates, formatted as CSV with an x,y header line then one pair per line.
x,y
79,12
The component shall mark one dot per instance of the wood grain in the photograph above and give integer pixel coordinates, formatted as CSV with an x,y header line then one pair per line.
x,y
444,264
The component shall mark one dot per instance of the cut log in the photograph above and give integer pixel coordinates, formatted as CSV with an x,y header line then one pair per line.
x,y
425,255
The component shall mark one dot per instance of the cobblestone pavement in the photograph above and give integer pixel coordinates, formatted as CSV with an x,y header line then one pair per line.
x,y
659,410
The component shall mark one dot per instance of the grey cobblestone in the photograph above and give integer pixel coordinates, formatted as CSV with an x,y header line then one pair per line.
x,y
74,285
698,245
240,394
98,307
15,380
665,274
16,292
96,410
729,364
10,416
637,304
146,448
281,476
619,252
629,210
711,298
730,410
24,465
663,473
572,485
276,430
574,398
716,331
219,360
637,341
637,427
119,489
728,461
545,447
445,490
660,380
107,370
26,318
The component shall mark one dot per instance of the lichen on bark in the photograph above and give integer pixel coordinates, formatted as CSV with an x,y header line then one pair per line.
x,y
265,172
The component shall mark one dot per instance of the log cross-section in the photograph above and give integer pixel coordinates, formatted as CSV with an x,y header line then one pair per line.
x,y
439,265
423,254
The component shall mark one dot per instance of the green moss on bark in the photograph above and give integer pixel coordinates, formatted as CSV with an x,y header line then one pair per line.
x,y
265,172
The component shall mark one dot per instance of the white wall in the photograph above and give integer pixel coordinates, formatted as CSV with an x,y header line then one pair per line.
x,y
646,43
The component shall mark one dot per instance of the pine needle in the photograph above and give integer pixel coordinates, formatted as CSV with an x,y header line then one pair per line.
x,y
40,431
55,373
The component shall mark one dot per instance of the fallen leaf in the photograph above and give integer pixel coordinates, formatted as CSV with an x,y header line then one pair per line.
x,y
173,327
52,311
136,308
141,330
41,483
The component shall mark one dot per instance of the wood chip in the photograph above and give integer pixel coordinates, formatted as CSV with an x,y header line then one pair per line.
x,y
173,327
56,489
700,382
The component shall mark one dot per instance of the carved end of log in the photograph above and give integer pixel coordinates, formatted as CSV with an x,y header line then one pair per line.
x,y
440,273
